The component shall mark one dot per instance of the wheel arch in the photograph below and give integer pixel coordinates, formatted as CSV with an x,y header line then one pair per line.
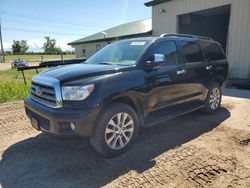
x,y
133,101
219,79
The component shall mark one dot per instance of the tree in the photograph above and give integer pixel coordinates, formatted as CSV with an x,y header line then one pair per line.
x,y
19,47
50,46
16,47
24,47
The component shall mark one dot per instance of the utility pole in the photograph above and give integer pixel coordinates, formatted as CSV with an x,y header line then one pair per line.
x,y
1,41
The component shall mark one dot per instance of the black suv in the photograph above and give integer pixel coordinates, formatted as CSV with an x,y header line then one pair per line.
x,y
127,85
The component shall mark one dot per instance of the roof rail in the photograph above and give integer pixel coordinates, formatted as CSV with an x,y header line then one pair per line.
x,y
184,35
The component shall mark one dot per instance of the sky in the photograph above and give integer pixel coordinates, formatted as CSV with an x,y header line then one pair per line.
x,y
64,20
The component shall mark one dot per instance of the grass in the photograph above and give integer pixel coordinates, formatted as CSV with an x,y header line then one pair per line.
x,y
11,91
36,58
12,87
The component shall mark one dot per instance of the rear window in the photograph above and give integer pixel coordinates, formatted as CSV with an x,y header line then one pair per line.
x,y
212,51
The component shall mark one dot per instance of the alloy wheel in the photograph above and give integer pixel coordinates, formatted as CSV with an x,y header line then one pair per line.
x,y
119,131
214,99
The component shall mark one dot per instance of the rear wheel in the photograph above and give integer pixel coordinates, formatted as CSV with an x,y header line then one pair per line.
x,y
116,130
213,100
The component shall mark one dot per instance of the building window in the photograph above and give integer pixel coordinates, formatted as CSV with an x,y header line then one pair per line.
x,y
98,47
84,52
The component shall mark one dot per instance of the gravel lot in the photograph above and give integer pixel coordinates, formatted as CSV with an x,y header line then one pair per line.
x,y
195,150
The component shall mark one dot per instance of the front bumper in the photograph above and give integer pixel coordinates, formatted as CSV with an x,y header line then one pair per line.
x,y
58,120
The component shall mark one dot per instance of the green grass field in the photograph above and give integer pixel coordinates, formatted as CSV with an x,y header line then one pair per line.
x,y
12,87
36,58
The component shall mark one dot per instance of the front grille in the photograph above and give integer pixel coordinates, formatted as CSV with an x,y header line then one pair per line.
x,y
43,94
43,122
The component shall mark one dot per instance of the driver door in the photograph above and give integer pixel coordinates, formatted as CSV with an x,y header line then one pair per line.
x,y
166,84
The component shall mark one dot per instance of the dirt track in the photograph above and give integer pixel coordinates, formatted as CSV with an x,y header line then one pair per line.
x,y
192,151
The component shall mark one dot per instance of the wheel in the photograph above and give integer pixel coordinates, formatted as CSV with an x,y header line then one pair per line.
x,y
116,129
213,100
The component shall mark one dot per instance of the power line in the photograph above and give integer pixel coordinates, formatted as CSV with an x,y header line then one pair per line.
x,y
40,24
44,19
38,31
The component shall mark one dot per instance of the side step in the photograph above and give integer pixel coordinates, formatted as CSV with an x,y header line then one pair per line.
x,y
164,115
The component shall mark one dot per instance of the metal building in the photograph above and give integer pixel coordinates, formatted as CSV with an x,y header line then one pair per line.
x,y
227,21
87,46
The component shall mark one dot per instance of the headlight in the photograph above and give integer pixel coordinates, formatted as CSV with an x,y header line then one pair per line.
x,y
76,93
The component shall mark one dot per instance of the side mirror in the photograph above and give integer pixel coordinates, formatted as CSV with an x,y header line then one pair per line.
x,y
155,61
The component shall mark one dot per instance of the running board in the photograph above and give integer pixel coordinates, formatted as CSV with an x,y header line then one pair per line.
x,y
162,116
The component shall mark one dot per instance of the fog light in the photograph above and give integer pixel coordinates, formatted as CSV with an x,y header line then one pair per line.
x,y
72,126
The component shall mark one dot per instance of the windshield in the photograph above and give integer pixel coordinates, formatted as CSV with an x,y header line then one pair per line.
x,y
122,53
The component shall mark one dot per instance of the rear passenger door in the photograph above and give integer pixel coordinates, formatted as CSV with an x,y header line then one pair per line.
x,y
197,76
215,58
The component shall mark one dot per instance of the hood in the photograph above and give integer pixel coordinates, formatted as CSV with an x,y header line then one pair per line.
x,y
79,71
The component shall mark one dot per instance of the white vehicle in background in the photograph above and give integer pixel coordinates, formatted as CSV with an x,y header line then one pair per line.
x,y
18,63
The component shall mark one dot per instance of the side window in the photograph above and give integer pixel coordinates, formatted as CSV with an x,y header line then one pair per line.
x,y
212,51
83,52
169,49
191,52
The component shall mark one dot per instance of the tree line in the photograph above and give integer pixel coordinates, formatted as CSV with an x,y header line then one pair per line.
x,y
20,47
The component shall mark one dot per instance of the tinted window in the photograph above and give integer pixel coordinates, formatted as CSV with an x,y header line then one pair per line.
x,y
169,49
212,51
191,52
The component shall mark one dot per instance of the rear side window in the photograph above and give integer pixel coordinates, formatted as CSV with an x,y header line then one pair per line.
x,y
212,51
191,52
169,49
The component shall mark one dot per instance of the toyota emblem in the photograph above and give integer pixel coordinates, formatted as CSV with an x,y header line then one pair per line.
x,y
39,91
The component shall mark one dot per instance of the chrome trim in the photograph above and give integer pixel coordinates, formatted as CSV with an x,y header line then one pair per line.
x,y
43,89
181,72
47,96
50,82
47,103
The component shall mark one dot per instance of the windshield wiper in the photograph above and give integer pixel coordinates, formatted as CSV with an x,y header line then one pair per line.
x,y
105,63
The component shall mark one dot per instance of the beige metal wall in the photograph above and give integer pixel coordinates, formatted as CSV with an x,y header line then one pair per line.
x,y
89,47
239,28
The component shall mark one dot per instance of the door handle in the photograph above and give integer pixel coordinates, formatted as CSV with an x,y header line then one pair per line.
x,y
209,67
181,72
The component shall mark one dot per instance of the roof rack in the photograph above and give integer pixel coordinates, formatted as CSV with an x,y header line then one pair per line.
x,y
184,35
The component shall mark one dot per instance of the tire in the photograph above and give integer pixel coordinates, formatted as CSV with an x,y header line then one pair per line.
x,y
111,138
213,100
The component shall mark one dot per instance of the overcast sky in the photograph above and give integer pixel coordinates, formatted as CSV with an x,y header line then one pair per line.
x,y
64,20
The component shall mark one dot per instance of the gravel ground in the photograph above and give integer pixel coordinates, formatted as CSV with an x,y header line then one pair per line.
x,y
195,150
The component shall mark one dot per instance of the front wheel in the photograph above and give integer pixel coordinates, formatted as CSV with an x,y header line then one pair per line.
x,y
213,100
116,130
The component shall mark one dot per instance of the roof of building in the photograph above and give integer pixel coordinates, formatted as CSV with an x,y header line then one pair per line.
x,y
132,29
155,2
